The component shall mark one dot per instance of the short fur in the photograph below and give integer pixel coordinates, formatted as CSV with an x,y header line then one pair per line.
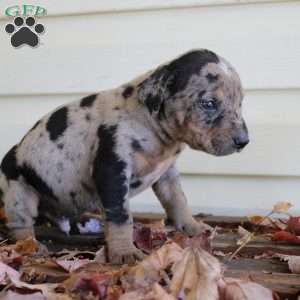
x,y
100,151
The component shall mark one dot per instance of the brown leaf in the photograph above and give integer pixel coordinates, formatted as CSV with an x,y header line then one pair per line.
x,y
95,283
9,256
236,289
203,240
294,225
285,236
72,265
281,207
149,270
2,215
195,276
245,235
267,222
17,295
155,292
114,293
256,219
7,274
147,238
41,271
27,246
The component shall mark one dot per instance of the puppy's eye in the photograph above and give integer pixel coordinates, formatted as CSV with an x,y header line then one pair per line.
x,y
209,105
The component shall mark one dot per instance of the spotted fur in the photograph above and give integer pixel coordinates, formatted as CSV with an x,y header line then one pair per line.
x,y
100,151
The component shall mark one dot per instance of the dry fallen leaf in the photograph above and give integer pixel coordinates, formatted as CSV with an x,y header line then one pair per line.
x,y
281,207
203,240
22,294
155,292
236,289
195,276
285,236
245,235
27,246
7,273
149,270
2,214
267,222
147,239
293,225
72,265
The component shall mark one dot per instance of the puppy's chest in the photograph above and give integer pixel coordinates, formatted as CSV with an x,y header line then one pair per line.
x,y
147,170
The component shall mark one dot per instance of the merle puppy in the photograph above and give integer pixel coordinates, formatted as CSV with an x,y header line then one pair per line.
x,y
104,149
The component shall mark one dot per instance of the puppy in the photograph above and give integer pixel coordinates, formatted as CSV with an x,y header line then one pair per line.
x,y
100,151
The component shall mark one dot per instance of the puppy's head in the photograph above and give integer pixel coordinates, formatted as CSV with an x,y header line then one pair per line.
x,y
199,95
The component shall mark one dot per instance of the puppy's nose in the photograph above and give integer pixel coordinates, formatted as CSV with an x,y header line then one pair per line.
x,y
241,141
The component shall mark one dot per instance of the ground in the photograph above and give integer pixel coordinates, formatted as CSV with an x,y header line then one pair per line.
x,y
76,269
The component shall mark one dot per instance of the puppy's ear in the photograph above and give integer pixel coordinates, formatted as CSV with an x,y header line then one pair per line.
x,y
153,91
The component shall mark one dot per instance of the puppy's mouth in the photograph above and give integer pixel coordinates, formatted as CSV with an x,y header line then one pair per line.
x,y
221,148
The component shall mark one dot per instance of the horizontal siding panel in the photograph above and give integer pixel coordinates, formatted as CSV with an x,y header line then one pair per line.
x,y
272,117
229,195
80,54
64,7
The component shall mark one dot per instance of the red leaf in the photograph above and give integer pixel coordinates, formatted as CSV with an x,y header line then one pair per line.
x,y
94,282
147,239
285,236
203,240
294,225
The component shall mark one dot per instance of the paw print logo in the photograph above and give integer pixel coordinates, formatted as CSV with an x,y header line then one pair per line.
x,y
24,33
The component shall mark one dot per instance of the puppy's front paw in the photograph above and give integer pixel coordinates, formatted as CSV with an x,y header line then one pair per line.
x,y
121,249
125,256
195,228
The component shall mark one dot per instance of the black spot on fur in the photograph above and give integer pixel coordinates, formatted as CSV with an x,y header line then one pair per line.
x,y
178,151
212,78
187,65
117,108
72,195
88,101
218,120
9,164
153,103
109,177
170,79
128,91
88,117
135,144
60,146
57,123
88,188
201,94
136,184
33,179
1,198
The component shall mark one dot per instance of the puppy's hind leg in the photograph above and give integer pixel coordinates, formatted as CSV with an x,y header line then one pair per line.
x,y
21,208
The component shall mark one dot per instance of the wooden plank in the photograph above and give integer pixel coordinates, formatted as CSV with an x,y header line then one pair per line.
x,y
227,243
286,285
257,265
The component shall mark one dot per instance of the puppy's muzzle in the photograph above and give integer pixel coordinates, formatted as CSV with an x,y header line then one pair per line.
x,y
241,140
